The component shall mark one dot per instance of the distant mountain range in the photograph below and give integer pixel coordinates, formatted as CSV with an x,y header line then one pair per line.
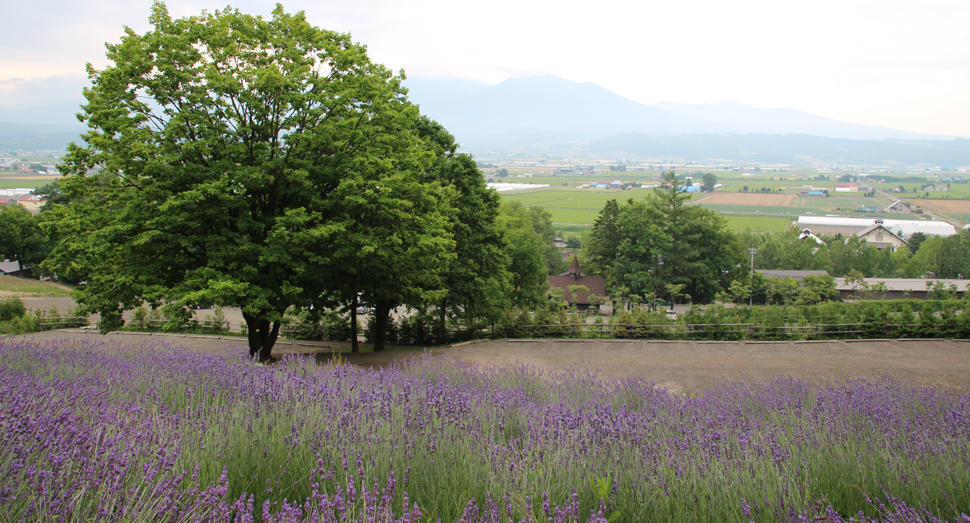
x,y
550,115
34,136
547,113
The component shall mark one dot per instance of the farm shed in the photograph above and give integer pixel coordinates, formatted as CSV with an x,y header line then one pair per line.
x,y
831,225
907,228
14,193
795,275
897,288
13,268
575,276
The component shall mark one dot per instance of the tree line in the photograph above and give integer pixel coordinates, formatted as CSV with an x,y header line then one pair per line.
x,y
937,256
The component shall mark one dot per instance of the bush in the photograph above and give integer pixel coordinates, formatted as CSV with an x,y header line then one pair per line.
x,y
140,315
217,320
336,327
370,332
12,308
417,329
305,326
21,325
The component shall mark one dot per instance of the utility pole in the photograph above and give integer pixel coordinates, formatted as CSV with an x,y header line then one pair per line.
x,y
753,251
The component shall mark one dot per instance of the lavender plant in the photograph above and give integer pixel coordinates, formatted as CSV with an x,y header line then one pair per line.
x,y
153,432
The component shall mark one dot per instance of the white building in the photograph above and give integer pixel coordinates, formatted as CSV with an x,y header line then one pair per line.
x,y
14,193
881,237
830,225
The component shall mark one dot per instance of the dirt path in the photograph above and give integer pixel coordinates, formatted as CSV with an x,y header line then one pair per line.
x,y
682,365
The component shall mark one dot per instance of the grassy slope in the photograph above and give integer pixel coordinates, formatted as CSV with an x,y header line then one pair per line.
x,y
22,286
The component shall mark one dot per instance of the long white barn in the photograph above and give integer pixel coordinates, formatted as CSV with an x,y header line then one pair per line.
x,y
902,228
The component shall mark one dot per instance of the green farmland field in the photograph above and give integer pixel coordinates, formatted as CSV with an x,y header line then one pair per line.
x,y
757,223
23,184
570,206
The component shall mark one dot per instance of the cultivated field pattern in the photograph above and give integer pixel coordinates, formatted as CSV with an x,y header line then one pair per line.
x,y
759,199
944,206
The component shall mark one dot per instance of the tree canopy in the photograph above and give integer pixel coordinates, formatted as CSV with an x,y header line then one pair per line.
x,y
526,248
475,282
661,247
21,238
251,162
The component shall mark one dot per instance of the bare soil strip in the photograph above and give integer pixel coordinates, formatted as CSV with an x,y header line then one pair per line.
x,y
944,206
679,365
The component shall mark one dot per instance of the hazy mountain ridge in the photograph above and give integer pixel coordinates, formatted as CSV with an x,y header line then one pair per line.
x,y
787,148
544,104
547,112
33,136
731,116
557,105
550,114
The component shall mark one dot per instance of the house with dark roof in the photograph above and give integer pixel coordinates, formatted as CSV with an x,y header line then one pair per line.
x,y
596,285
14,268
899,206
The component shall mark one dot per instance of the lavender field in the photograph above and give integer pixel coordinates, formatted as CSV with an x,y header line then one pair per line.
x,y
152,432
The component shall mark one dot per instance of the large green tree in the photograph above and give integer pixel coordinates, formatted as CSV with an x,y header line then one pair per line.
x,y
542,224
250,160
708,181
21,238
638,251
944,257
604,240
526,249
786,251
701,255
474,282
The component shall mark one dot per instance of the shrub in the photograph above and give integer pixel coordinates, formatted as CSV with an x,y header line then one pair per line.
x,y
12,308
139,316
217,320
305,326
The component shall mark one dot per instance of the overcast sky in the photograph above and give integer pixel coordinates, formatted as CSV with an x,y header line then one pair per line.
x,y
902,64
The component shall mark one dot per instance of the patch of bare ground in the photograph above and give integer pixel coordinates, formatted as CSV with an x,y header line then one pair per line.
x,y
687,366
944,206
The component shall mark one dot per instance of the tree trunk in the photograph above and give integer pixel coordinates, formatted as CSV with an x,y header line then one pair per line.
x,y
442,325
381,313
354,346
262,336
